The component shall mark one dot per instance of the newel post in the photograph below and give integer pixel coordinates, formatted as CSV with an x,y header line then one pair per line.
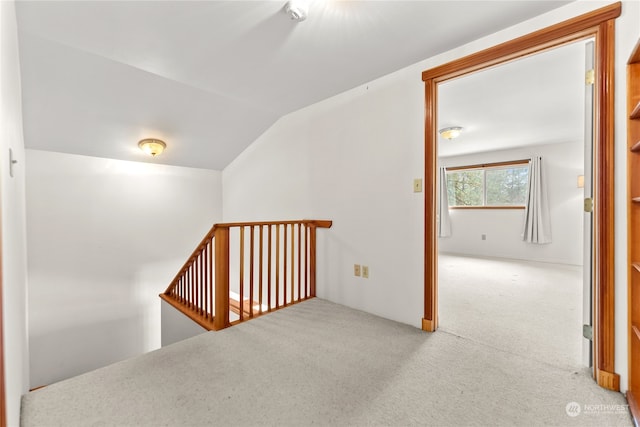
x,y
221,318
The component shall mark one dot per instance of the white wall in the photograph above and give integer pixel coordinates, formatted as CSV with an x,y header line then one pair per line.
x,y
176,326
562,163
352,158
105,238
12,210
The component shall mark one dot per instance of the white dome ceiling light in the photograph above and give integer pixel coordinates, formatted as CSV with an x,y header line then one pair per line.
x,y
297,10
450,132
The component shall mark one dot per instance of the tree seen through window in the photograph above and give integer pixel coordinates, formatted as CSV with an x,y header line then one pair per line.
x,y
488,186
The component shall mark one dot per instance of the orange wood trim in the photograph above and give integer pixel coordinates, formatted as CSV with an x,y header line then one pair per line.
x,y
430,194
211,234
190,313
635,54
277,266
490,165
251,268
604,218
221,317
564,32
312,260
241,290
486,207
598,24
633,231
608,380
634,407
192,291
3,401
320,223
260,266
284,267
317,222
247,307
299,261
292,264
428,325
269,267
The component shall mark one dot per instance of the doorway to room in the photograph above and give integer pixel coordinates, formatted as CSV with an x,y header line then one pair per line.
x,y
599,24
494,287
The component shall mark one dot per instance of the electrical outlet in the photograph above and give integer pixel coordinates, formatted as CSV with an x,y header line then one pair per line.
x,y
417,185
365,271
356,269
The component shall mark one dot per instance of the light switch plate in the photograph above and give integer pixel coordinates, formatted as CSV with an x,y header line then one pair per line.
x,y
356,269
417,185
365,272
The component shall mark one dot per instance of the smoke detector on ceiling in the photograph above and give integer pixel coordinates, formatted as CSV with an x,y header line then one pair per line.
x,y
297,10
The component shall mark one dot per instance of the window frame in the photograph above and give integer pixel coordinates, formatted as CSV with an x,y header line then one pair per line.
x,y
484,167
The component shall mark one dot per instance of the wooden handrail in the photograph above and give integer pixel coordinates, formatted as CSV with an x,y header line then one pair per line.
x,y
202,290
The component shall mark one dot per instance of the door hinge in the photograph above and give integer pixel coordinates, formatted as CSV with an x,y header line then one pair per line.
x,y
588,204
590,77
587,332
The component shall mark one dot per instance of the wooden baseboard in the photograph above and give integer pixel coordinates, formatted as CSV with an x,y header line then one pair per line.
x,y
428,325
634,407
608,380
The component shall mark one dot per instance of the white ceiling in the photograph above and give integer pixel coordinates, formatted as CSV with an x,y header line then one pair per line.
x,y
209,77
535,100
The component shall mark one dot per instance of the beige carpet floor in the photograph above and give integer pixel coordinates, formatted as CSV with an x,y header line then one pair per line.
x,y
532,309
319,363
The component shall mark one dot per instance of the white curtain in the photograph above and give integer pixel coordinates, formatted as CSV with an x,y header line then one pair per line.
x,y
537,223
444,223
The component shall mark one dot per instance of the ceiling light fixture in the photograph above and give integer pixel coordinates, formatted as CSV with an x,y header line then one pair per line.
x,y
450,132
297,10
152,146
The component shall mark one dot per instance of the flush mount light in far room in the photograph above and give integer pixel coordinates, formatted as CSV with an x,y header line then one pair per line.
x,y
450,132
152,146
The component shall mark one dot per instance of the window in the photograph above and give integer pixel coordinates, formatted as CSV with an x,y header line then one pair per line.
x,y
495,185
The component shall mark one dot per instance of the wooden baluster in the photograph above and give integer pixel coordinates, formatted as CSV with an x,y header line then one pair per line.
x,y
241,302
299,259
252,249
261,271
292,262
189,289
312,261
221,319
277,265
306,261
205,284
193,284
199,283
211,284
269,269
284,268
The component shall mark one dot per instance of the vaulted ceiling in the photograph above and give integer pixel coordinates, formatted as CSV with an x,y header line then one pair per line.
x,y
209,77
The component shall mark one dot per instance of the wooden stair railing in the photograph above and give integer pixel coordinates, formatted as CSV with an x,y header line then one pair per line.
x,y
259,266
